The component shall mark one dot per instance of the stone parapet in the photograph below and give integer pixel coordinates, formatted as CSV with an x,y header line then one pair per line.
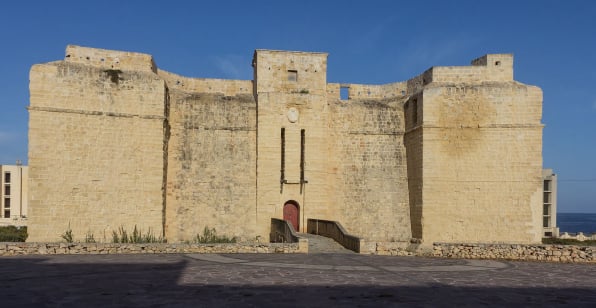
x,y
554,253
110,59
207,85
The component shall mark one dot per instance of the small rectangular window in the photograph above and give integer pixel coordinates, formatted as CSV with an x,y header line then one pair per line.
x,y
7,202
547,185
344,93
292,75
7,177
7,190
547,197
6,213
546,222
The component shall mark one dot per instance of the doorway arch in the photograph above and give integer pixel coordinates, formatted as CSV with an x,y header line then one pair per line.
x,y
292,214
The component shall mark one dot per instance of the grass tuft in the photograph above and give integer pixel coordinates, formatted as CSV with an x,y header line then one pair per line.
x,y
210,236
567,241
136,237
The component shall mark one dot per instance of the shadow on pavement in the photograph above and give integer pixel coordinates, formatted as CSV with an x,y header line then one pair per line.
x,y
40,282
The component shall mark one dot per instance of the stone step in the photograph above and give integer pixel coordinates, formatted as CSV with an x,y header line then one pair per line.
x,y
322,244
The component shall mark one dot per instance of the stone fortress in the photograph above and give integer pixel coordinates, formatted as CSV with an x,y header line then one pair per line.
x,y
451,155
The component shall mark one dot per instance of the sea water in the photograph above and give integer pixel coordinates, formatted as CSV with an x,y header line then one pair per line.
x,y
576,222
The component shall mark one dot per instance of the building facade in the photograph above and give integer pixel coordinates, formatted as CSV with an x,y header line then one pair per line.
x,y
452,155
13,197
549,207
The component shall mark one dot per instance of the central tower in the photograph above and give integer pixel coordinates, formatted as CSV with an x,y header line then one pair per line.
x,y
290,90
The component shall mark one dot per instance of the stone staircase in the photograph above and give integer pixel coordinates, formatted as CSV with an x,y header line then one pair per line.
x,y
322,244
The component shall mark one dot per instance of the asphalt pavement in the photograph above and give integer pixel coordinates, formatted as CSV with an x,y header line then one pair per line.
x,y
289,280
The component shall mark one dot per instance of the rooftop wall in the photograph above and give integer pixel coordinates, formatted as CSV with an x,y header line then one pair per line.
x,y
207,85
110,59
489,68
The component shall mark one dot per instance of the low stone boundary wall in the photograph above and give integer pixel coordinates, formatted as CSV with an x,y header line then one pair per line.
x,y
555,253
12,249
386,248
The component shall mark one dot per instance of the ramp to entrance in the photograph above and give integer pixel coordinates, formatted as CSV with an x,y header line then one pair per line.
x,y
333,229
322,244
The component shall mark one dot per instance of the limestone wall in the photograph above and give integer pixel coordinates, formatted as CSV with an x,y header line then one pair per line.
x,y
96,139
211,165
370,186
482,158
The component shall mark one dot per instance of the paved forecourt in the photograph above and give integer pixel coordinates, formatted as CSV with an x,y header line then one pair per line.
x,y
311,280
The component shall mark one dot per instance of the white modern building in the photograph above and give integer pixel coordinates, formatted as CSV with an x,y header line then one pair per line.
x,y
13,194
549,208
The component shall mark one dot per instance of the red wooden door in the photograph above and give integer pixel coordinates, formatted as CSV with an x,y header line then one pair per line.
x,y
292,215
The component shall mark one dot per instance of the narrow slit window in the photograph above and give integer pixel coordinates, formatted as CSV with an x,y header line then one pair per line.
x,y
302,144
282,176
415,112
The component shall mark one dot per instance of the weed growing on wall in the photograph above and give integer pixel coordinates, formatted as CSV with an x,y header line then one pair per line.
x,y
67,235
210,236
136,237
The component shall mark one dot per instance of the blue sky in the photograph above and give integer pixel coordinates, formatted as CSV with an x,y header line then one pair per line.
x,y
374,42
